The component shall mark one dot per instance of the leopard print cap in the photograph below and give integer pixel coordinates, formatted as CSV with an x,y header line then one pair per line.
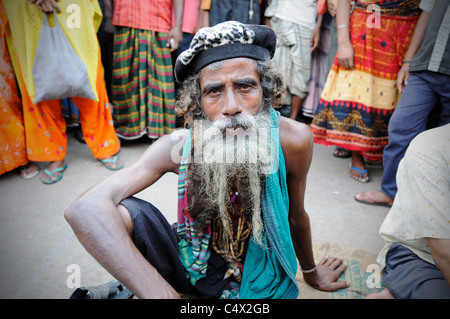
x,y
225,40
223,33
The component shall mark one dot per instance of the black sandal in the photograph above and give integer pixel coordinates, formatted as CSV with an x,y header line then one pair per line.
x,y
111,290
342,153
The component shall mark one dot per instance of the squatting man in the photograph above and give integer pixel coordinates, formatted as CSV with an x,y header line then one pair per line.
x,y
242,224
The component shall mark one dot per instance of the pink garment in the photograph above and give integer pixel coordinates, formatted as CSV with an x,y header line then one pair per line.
x,y
154,15
190,15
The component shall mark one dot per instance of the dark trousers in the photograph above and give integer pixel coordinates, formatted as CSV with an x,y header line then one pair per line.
x,y
424,92
409,277
236,10
157,241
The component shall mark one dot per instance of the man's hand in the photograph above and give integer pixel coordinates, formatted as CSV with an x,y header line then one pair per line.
x,y
174,39
46,5
402,77
315,39
327,272
331,8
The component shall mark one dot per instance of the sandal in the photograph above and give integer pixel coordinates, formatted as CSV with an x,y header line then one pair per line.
x,y
113,161
342,153
362,172
50,174
111,290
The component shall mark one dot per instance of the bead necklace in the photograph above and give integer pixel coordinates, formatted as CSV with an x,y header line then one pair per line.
x,y
233,249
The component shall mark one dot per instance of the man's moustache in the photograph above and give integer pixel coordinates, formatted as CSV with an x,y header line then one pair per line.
x,y
235,122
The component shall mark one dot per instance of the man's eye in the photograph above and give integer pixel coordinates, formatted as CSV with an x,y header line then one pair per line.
x,y
213,92
245,87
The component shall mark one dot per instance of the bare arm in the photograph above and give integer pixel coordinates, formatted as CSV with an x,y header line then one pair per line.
x,y
157,160
315,36
103,226
440,249
416,40
203,20
345,51
109,9
298,149
175,36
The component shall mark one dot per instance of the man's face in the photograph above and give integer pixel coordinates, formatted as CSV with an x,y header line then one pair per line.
x,y
234,89
232,144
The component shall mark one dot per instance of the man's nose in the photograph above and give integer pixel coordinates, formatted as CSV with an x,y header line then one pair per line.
x,y
232,105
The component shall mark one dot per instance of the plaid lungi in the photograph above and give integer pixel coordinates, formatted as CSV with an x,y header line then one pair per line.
x,y
143,89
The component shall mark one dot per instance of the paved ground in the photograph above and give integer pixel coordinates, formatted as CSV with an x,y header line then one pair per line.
x,y
38,249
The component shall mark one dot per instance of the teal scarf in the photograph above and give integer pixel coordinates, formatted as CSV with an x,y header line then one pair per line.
x,y
268,272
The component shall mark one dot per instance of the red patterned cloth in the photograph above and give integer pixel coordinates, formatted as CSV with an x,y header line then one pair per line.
x,y
356,105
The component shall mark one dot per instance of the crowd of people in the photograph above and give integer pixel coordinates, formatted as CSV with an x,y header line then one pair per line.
x,y
370,76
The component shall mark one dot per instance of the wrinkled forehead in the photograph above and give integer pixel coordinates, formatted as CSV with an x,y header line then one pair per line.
x,y
230,69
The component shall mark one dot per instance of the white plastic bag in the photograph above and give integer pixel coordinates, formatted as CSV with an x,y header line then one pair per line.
x,y
58,72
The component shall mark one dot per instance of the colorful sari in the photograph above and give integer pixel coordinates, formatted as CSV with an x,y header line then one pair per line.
x,y
356,105
12,135
45,127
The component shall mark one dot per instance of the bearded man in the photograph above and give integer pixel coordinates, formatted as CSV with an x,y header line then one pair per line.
x,y
242,227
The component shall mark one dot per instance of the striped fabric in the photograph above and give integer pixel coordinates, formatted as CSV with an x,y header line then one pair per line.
x,y
153,15
292,55
143,90
194,251
268,273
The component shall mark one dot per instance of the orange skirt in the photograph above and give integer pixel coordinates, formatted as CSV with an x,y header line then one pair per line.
x,y
12,135
45,127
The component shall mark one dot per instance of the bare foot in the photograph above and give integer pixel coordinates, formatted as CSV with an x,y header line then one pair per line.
x,y
377,198
384,294
28,171
358,169
47,177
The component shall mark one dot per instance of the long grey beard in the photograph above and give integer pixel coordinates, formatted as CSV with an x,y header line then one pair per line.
x,y
226,160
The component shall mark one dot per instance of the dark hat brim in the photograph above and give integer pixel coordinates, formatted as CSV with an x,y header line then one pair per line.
x,y
224,52
262,47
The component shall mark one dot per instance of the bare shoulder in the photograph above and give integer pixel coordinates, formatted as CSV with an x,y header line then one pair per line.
x,y
297,144
295,136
